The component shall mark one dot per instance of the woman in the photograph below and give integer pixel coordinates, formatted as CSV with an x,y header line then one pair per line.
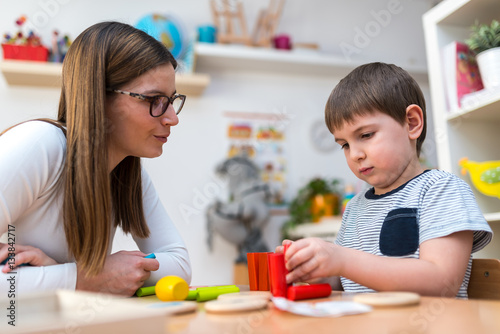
x,y
67,184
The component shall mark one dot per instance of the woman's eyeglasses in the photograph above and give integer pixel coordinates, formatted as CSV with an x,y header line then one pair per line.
x,y
158,104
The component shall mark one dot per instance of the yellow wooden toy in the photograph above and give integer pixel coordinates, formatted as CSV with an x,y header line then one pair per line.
x,y
171,288
485,176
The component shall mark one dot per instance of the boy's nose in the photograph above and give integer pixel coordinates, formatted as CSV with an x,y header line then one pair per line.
x,y
357,153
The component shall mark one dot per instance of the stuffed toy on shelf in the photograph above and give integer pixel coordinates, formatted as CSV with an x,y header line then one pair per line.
x,y
485,176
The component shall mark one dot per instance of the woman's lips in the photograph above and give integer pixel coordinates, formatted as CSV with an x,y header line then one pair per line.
x,y
163,139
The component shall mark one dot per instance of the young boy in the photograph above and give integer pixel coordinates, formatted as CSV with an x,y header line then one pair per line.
x,y
415,229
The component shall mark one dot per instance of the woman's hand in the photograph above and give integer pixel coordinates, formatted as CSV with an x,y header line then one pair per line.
x,y
23,254
123,273
311,259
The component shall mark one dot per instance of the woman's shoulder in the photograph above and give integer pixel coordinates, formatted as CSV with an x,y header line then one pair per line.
x,y
38,131
34,139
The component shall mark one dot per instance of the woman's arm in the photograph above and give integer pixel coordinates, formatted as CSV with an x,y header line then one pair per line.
x,y
14,256
438,272
164,240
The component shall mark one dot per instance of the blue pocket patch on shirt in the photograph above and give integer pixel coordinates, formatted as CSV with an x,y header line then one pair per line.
x,y
399,233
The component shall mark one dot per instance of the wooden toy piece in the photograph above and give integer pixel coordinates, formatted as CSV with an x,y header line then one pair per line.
x,y
267,23
299,292
277,274
235,305
387,298
263,284
266,295
253,273
228,33
209,293
171,288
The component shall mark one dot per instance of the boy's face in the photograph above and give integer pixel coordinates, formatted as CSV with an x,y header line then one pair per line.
x,y
379,151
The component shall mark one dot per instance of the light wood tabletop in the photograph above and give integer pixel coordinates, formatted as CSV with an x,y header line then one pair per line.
x,y
432,315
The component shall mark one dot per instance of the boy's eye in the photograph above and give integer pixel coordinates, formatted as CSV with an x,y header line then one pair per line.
x,y
344,146
367,135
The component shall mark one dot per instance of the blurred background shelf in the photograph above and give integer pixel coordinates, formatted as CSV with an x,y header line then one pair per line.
x,y
296,61
43,74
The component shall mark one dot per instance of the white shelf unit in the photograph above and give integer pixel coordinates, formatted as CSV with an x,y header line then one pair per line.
x,y
473,132
227,57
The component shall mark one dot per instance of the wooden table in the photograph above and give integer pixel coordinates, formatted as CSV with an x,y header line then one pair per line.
x,y
432,315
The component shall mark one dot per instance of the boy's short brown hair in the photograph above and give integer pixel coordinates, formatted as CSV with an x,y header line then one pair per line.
x,y
373,87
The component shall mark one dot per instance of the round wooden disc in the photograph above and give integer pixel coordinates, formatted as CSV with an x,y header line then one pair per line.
x,y
176,307
235,305
250,295
387,298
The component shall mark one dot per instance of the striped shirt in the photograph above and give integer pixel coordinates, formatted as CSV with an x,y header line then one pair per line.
x,y
433,204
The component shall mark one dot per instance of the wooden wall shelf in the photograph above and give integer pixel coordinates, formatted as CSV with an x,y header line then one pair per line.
x,y
41,74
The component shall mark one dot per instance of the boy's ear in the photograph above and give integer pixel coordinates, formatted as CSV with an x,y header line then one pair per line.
x,y
414,120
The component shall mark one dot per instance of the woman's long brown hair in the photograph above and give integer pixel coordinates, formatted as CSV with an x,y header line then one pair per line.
x,y
106,55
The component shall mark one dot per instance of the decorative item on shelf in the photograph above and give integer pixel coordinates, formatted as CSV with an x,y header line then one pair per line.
x,y
24,46
229,12
485,41
282,42
308,205
167,29
485,176
60,46
267,23
207,34
460,73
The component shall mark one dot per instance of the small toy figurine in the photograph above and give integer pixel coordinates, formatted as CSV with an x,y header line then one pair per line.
x,y
485,176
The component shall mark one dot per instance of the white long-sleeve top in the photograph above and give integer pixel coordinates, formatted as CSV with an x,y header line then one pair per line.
x,y
31,158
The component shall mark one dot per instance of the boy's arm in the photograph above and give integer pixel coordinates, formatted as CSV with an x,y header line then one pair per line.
x,y
438,272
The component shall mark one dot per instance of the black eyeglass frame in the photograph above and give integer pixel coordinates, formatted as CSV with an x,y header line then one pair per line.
x,y
151,100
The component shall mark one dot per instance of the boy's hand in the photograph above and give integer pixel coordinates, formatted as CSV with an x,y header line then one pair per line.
x,y
310,259
24,254
281,249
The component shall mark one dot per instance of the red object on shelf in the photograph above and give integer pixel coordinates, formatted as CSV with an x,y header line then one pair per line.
x,y
299,292
25,52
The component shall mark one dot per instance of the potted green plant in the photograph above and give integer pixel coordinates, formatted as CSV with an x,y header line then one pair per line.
x,y
485,42
303,209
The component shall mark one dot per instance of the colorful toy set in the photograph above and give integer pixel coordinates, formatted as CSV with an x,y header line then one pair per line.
x,y
267,271
21,46
24,47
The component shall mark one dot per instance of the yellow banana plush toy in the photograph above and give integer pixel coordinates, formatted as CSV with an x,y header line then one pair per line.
x,y
485,176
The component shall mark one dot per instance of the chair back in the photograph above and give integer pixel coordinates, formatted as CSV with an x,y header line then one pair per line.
x,y
484,280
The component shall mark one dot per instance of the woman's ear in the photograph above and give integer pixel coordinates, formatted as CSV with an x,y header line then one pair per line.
x,y
414,120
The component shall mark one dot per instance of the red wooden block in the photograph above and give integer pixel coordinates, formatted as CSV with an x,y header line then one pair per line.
x,y
277,274
299,292
253,271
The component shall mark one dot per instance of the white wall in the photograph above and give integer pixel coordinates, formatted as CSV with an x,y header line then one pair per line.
x,y
197,144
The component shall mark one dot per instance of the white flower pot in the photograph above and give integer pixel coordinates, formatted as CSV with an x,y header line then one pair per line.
x,y
489,67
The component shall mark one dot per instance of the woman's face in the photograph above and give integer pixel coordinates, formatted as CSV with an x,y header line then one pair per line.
x,y
132,130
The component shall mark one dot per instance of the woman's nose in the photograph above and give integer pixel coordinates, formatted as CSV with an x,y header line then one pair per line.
x,y
169,117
